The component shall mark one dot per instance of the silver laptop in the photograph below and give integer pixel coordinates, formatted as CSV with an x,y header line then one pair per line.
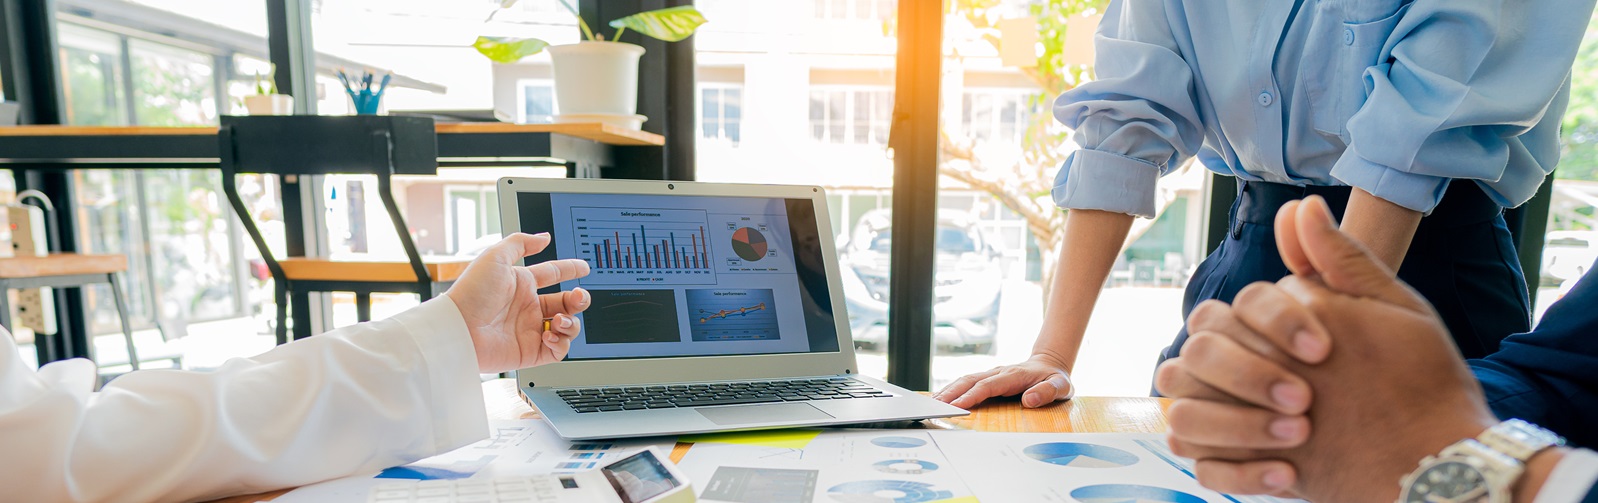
x,y
715,307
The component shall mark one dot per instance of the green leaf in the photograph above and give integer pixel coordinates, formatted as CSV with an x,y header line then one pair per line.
x,y
509,50
670,24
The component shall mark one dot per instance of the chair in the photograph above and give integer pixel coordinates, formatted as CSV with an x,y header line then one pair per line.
x,y
70,270
318,145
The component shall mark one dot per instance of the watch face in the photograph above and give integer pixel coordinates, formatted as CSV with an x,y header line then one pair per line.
x,y
1449,481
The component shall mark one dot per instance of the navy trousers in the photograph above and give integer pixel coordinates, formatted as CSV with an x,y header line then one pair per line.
x,y
1462,260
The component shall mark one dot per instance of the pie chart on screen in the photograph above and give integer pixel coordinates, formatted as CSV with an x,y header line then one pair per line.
x,y
749,244
1078,455
1127,493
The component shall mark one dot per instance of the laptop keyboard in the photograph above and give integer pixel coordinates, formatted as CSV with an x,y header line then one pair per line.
x,y
607,399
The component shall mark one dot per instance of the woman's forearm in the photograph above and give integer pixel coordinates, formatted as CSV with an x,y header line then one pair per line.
x,y
1383,227
1092,241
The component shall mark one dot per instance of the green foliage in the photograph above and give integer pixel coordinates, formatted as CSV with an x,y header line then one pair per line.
x,y
508,50
670,24
1579,134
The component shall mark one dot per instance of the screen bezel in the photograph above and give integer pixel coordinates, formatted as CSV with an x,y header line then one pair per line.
x,y
691,368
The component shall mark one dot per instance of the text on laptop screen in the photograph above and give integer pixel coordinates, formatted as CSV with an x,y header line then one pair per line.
x,y
689,275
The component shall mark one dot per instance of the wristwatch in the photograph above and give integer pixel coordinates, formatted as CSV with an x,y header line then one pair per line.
x,y
1483,469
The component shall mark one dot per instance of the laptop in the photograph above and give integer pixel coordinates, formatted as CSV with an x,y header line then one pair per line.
x,y
716,307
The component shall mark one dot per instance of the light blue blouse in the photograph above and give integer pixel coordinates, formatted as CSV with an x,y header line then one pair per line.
x,y
1393,97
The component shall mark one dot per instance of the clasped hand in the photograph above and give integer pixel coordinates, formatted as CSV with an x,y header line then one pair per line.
x,y
1330,384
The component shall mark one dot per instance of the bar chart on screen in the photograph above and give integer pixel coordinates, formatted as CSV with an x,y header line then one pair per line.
x,y
632,246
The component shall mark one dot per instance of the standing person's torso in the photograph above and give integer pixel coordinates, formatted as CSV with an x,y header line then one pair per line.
x,y
1278,80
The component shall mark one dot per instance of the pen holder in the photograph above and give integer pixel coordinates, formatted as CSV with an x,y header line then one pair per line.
x,y
366,102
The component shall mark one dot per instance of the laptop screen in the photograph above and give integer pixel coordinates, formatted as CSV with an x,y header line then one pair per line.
x,y
689,275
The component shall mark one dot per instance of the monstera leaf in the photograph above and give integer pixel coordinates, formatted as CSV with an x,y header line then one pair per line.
x,y
509,50
669,24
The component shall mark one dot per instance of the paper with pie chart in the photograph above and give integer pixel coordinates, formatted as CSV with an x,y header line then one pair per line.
x,y
835,466
1076,467
944,466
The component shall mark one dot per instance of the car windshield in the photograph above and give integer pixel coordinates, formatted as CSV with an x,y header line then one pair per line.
x,y
1568,242
950,240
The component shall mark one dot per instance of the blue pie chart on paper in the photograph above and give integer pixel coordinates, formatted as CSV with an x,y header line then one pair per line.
x,y
908,466
1078,455
887,491
1127,493
898,442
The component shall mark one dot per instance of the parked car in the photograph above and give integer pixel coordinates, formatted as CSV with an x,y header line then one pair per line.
x,y
1567,255
968,280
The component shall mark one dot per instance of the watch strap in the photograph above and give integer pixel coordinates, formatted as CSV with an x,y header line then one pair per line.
x,y
1519,439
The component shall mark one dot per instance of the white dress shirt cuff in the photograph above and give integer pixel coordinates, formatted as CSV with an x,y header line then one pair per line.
x,y
1417,192
1099,180
1572,479
459,415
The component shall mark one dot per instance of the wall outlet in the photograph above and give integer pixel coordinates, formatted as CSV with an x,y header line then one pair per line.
x,y
35,307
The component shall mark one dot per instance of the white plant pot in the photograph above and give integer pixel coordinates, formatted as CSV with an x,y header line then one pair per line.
x,y
269,104
596,78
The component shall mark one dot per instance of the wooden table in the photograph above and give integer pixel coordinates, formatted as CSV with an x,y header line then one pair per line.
x,y
585,149
67,270
1080,415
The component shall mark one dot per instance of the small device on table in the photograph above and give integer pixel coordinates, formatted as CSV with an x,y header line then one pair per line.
x,y
645,477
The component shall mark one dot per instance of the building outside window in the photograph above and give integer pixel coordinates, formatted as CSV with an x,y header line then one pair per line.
x,y
720,113
860,115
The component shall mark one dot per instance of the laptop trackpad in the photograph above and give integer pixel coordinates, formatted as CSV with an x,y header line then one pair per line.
x,y
777,412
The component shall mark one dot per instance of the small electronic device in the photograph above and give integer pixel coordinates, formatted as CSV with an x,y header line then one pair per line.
x,y
34,307
714,307
645,477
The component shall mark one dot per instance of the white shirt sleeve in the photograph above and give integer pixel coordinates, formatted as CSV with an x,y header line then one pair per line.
x,y
353,400
1572,479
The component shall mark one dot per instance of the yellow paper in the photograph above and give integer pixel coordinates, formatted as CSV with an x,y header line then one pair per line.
x,y
787,439
1018,41
1079,39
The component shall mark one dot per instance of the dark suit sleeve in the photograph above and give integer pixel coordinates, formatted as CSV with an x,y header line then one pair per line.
x,y
1549,376
1592,496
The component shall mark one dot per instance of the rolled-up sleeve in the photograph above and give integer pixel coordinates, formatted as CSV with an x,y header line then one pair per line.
x,y
1465,89
1136,121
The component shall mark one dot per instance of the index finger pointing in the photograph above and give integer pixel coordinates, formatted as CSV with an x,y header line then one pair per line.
x,y
557,271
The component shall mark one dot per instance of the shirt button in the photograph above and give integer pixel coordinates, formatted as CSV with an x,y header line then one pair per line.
x,y
1266,99
1348,36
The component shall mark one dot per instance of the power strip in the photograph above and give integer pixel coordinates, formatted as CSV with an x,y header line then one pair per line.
x,y
35,307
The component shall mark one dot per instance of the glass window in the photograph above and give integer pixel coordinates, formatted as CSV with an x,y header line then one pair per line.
x,y
92,77
538,101
173,63
720,113
1571,245
818,96
999,232
172,86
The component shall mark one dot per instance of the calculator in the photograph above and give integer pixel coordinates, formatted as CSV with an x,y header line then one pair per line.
x,y
644,477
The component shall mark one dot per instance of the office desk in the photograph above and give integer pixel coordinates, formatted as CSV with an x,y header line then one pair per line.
x,y
1081,415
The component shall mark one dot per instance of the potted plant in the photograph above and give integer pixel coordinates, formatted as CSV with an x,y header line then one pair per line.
x,y
266,101
596,80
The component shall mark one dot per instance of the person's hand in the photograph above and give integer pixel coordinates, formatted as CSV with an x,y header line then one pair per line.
x,y
1388,385
1042,379
499,299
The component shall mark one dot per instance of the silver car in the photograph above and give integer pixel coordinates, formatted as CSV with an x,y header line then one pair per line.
x,y
968,281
